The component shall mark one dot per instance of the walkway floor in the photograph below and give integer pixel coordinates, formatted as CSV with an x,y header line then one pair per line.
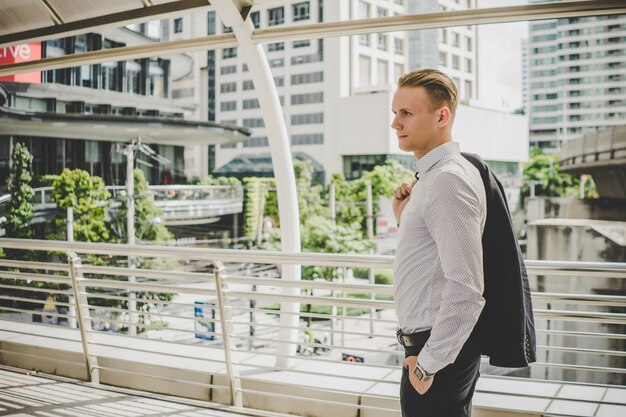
x,y
39,396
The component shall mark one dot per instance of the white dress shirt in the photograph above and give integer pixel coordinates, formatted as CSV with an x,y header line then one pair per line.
x,y
438,269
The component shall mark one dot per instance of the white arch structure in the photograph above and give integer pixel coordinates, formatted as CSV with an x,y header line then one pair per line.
x,y
234,13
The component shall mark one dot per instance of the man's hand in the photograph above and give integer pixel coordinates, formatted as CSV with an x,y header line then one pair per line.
x,y
401,196
420,386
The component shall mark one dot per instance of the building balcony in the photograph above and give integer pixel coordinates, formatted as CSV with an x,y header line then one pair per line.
x,y
222,337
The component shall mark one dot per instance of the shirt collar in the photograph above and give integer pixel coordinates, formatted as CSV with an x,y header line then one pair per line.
x,y
429,160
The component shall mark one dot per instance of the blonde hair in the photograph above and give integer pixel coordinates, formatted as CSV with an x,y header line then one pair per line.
x,y
439,87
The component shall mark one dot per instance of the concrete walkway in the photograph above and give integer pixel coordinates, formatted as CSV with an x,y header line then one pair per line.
x,y
22,394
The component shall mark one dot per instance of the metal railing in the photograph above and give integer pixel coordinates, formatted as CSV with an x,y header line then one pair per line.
x,y
176,201
231,306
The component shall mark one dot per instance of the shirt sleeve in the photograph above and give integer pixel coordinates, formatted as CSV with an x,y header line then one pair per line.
x,y
454,218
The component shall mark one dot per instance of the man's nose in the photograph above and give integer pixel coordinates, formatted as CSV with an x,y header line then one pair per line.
x,y
394,123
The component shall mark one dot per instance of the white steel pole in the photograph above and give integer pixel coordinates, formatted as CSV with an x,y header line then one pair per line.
x,y
130,231
229,12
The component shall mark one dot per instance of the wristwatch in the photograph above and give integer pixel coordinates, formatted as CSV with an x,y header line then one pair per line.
x,y
421,373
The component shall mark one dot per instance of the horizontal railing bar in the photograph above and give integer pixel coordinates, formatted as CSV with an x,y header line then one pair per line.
x,y
145,273
256,256
35,312
143,325
581,334
613,300
30,300
23,276
35,289
580,367
140,286
583,350
34,265
124,298
330,301
613,318
32,355
336,286
312,315
157,314
208,343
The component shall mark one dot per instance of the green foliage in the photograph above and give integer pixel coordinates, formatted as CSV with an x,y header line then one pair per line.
x,y
211,180
20,210
255,189
310,202
90,201
351,196
146,211
320,234
544,170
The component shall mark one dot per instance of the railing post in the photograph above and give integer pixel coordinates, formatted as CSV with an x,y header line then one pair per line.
x,y
236,398
82,312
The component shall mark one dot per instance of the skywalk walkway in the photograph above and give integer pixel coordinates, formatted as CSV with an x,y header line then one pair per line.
x,y
24,394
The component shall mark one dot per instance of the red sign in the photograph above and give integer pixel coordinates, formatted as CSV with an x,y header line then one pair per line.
x,y
21,53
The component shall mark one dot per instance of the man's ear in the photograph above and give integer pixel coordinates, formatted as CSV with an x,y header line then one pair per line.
x,y
445,116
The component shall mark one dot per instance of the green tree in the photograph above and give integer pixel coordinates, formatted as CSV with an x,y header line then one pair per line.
x,y
89,200
351,196
147,227
20,209
543,170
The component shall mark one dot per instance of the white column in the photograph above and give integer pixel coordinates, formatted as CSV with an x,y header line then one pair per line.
x,y
130,230
229,11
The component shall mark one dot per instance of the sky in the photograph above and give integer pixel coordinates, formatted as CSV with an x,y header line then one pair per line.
x,y
500,60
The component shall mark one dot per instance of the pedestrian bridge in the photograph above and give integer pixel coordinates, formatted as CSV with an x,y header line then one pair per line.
x,y
181,204
219,338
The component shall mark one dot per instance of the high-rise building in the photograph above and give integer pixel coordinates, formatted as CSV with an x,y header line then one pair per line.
x,y
577,77
525,75
335,93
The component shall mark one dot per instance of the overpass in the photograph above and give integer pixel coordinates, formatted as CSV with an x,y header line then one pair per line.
x,y
602,155
181,204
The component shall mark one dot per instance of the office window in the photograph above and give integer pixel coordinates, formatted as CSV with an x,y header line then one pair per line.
x,y
301,11
301,44
307,119
226,29
244,68
382,71
382,41
253,122
468,65
247,85
251,103
276,16
364,39
364,10
255,17
456,39
456,62
457,82
229,53
468,90
308,98
277,46
279,62
444,35
381,12
468,44
228,87
228,105
398,71
308,139
279,81
443,59
311,77
398,46
256,142
178,25
364,70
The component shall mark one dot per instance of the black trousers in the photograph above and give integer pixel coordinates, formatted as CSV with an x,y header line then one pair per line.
x,y
451,393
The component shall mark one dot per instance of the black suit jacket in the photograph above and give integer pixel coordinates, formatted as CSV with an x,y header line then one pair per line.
x,y
506,327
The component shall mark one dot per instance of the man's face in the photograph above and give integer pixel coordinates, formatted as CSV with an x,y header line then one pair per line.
x,y
415,122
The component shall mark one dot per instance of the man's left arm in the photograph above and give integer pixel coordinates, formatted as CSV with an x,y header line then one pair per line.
x,y
454,217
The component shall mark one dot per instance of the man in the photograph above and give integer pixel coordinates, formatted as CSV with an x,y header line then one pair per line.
x,y
438,271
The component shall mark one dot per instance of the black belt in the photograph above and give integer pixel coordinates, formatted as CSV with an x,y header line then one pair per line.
x,y
413,339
